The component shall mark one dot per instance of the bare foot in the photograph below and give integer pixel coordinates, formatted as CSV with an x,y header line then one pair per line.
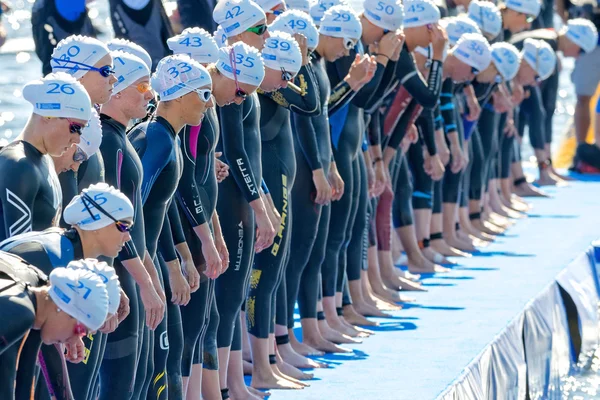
x,y
303,348
290,371
345,329
546,179
528,190
288,355
334,335
423,266
453,241
243,392
402,273
380,303
435,257
268,380
247,367
440,246
481,227
322,344
367,310
258,393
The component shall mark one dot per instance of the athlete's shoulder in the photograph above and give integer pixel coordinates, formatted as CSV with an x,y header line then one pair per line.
x,y
21,159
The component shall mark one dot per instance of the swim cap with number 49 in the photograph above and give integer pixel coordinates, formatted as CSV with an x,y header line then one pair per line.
x,y
293,22
341,22
386,14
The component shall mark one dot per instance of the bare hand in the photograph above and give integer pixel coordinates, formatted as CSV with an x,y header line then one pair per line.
x,y
75,350
110,325
190,272
381,179
303,43
123,310
438,39
457,159
509,128
180,288
265,233
212,259
518,93
221,169
389,44
324,191
223,252
433,166
474,109
154,305
361,71
337,183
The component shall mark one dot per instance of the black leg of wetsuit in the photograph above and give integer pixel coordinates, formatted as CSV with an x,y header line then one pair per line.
x,y
533,115
281,312
437,197
158,388
487,126
260,311
549,93
210,358
148,347
476,180
422,195
504,153
193,318
237,223
118,369
303,232
145,361
507,148
310,283
402,212
340,214
356,247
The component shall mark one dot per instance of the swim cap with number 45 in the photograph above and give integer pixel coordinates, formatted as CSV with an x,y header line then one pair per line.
x,y
386,14
420,12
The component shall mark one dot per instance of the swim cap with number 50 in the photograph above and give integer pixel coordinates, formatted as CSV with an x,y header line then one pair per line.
x,y
386,14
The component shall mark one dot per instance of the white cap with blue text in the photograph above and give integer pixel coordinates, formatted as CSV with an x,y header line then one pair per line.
x,y
220,37
319,7
386,14
282,52
128,69
178,75
540,56
130,47
300,5
58,95
109,277
81,212
196,43
583,33
458,26
341,22
236,16
294,21
507,59
248,63
91,135
420,12
474,50
487,16
74,53
268,5
527,7
81,294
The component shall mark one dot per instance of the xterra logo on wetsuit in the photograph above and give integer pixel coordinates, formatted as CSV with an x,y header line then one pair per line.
x,y
249,184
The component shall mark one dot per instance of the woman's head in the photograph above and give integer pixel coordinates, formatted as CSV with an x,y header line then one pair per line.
x,y
184,87
283,59
244,70
89,61
518,15
419,17
61,109
297,22
242,21
538,62
505,60
487,16
89,144
471,55
80,301
196,43
379,18
101,214
130,47
339,31
582,37
109,277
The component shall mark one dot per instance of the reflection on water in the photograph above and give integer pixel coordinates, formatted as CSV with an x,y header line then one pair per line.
x,y
586,384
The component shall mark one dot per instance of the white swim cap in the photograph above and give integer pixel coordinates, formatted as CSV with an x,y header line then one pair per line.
x,y
75,54
420,12
341,22
128,69
268,5
474,50
130,47
249,65
281,51
318,9
507,59
178,75
91,135
487,16
220,37
196,43
540,56
88,217
300,5
386,14
458,26
294,21
583,33
58,95
109,277
236,16
81,294
527,7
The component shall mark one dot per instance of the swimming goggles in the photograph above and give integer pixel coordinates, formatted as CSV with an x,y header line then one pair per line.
x,y
238,91
105,71
121,226
258,30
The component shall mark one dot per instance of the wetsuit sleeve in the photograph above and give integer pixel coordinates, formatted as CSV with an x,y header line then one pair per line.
x,y
340,96
427,133
113,157
374,129
305,103
438,121
364,98
232,130
425,93
307,139
188,196
400,129
447,107
166,244
154,159
18,189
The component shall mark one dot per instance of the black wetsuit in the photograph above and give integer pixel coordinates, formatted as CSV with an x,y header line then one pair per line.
x,y
279,173
197,200
30,197
156,142
18,305
119,366
149,27
46,250
197,13
49,27
241,146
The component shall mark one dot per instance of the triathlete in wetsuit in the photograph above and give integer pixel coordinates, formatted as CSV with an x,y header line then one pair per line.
x,y
30,197
125,360
181,79
144,22
54,20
